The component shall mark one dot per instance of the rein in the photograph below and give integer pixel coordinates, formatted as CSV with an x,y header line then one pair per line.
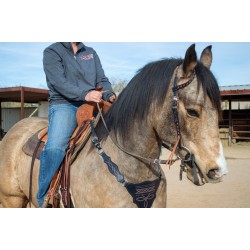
x,y
144,159
178,145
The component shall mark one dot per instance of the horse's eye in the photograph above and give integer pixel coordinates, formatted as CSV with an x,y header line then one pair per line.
x,y
193,113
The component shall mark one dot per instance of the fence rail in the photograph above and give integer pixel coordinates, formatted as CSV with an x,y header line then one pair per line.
x,y
238,130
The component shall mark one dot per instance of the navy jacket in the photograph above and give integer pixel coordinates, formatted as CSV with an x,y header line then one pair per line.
x,y
70,77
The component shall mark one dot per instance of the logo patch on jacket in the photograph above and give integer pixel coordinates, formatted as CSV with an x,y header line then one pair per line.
x,y
87,57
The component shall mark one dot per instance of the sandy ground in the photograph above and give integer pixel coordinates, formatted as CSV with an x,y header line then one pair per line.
x,y
233,192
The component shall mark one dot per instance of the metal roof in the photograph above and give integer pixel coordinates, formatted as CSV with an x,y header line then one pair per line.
x,y
236,92
235,87
29,95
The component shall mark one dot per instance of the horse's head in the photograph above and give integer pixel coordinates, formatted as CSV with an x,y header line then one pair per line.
x,y
198,113
142,117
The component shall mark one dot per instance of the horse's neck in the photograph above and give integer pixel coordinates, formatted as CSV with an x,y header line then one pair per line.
x,y
143,143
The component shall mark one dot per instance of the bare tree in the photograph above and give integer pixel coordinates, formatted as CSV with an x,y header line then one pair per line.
x,y
118,84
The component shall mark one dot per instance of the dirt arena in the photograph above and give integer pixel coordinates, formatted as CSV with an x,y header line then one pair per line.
x,y
233,192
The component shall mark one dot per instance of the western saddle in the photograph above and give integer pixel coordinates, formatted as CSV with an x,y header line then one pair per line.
x,y
59,190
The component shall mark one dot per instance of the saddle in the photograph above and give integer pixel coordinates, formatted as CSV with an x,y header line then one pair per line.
x,y
79,138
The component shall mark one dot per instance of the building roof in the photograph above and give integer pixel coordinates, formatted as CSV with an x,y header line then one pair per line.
x,y
236,92
235,87
30,95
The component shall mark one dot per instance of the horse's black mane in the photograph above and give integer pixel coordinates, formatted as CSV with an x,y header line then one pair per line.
x,y
151,84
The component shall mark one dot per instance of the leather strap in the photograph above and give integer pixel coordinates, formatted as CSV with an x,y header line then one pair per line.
x,y
32,167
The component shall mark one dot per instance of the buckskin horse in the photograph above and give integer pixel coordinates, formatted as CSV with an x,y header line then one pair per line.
x,y
174,102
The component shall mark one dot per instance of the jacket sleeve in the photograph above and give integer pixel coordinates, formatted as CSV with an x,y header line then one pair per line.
x,y
54,71
102,80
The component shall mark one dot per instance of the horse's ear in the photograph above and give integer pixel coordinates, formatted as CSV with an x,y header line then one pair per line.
x,y
190,61
206,57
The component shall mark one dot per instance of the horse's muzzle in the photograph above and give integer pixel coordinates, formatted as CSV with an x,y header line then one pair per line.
x,y
212,176
194,174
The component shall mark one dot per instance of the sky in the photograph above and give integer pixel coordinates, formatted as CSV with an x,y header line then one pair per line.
x,y
21,62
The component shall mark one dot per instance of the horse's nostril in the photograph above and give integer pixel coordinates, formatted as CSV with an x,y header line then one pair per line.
x,y
213,174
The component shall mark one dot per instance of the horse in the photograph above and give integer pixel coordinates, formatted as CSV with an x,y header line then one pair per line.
x,y
173,101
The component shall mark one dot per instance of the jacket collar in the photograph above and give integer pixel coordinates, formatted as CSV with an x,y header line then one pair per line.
x,y
68,45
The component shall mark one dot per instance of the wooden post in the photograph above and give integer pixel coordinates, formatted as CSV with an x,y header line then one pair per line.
x,y
22,103
0,115
230,122
1,129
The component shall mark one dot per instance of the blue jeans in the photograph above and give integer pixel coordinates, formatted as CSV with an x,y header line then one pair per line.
x,y
62,123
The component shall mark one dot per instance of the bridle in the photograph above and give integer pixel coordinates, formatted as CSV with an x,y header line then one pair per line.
x,y
151,186
179,145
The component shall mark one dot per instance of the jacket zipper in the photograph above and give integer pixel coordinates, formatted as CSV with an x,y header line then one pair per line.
x,y
73,52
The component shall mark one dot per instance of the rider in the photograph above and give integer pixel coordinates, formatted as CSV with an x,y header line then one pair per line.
x,y
73,71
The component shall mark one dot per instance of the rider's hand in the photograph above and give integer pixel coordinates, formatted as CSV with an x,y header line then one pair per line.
x,y
93,96
112,98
